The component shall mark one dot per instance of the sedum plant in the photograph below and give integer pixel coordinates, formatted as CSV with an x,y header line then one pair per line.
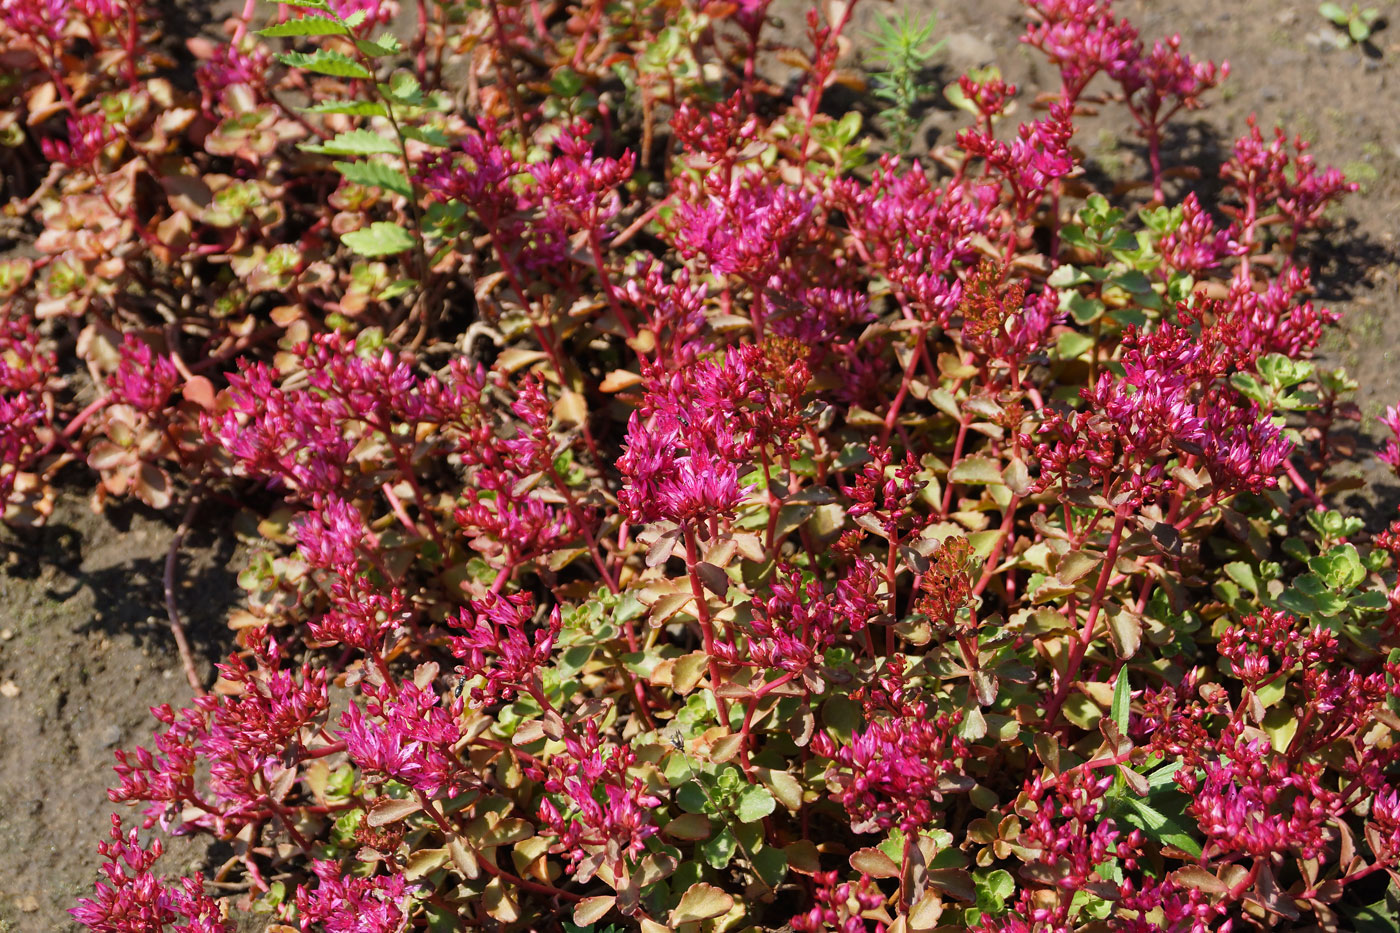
x,y
659,519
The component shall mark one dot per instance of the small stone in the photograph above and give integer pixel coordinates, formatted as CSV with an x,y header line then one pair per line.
x,y
1268,92
112,735
27,903
9,689
964,51
6,634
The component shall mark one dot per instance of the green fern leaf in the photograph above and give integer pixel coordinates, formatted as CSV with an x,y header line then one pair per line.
x,y
306,26
354,108
353,143
376,174
379,239
326,62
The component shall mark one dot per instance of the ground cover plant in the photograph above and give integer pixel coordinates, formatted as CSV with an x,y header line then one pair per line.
x,y
668,513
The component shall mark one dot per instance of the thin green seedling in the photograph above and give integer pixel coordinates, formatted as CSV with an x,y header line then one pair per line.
x,y
901,53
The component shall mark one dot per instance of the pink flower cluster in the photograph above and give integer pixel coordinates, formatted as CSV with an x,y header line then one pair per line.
x,y
896,771
497,649
344,903
1390,453
240,738
143,379
132,899
839,905
607,815
1268,175
1173,397
403,733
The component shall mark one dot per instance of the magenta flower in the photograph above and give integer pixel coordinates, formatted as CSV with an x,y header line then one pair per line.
x,y
1250,802
87,135
744,229
581,186
37,19
242,737
361,616
344,903
330,538
1031,162
23,365
839,905
896,771
498,647
1083,39
1255,323
1196,246
608,815
1390,454
406,735
1271,643
143,379
916,234
1266,175
695,427
131,899
19,415
231,66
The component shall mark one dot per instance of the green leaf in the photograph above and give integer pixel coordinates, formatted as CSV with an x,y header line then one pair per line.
x,y
1381,917
771,864
353,108
427,135
1359,30
1249,387
1370,600
786,788
378,48
376,174
976,470
993,890
1132,281
1158,826
306,26
688,826
1333,12
566,82
755,802
1340,567
701,902
841,715
1083,310
1282,372
1163,777
354,142
1074,235
1067,276
719,849
379,239
397,288
955,96
326,62
692,798
1122,699
1071,345
404,88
